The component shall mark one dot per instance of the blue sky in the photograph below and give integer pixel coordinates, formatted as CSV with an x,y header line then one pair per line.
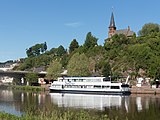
x,y
24,23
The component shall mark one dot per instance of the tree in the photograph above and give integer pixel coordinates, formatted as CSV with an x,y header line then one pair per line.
x,y
36,50
90,41
148,29
78,65
106,69
154,68
54,70
31,78
45,46
73,45
61,51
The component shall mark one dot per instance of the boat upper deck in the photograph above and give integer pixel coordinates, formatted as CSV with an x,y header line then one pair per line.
x,y
81,79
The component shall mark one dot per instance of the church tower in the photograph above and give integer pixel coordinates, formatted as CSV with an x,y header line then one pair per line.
x,y
112,27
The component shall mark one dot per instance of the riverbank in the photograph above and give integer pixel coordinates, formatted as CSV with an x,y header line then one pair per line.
x,y
144,90
134,89
67,115
28,88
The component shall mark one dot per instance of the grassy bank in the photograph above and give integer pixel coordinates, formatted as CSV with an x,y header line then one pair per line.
x,y
28,88
67,115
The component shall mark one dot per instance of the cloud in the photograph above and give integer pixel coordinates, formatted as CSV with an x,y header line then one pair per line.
x,y
73,24
6,53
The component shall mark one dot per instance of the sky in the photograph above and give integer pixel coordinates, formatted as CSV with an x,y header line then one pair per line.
x,y
24,23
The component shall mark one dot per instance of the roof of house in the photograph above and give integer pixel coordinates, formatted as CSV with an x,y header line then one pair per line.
x,y
126,32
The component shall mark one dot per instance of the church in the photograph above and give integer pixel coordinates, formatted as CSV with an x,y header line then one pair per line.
x,y
112,29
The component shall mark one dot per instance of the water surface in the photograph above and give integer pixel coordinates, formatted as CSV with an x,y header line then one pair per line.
x,y
137,107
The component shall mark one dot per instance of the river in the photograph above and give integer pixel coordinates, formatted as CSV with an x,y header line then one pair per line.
x,y
139,107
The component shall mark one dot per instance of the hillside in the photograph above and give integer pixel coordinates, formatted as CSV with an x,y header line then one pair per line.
x,y
119,56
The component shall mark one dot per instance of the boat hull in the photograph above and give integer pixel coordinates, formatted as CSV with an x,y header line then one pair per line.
x,y
91,92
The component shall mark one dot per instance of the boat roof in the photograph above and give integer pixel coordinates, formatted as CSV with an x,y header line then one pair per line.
x,y
80,77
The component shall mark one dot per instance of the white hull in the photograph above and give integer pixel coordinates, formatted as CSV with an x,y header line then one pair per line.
x,y
70,85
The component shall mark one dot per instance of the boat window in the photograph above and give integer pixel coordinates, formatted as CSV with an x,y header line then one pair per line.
x,y
124,85
105,86
97,86
106,79
89,86
115,87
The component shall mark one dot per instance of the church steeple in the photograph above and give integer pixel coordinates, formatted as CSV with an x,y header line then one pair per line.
x,y
112,22
112,26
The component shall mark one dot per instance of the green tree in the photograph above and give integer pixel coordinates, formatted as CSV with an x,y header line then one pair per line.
x,y
78,65
29,52
54,70
148,29
61,51
90,41
45,46
106,69
36,50
31,78
74,44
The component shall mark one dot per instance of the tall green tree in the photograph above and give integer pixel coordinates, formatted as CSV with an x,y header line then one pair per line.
x,y
74,44
61,51
149,28
78,65
54,70
45,46
90,41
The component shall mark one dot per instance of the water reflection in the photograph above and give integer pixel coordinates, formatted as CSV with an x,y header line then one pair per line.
x,y
7,104
18,102
99,102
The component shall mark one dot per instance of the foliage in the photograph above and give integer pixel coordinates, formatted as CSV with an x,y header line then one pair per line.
x,y
96,57
119,55
132,54
73,45
106,70
36,50
60,114
28,88
54,70
149,28
90,41
31,77
60,51
78,65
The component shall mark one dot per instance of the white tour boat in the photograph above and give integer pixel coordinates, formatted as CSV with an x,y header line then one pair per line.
x,y
89,85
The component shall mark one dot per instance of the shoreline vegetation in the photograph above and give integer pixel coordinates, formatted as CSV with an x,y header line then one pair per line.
x,y
56,115
28,88
25,88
